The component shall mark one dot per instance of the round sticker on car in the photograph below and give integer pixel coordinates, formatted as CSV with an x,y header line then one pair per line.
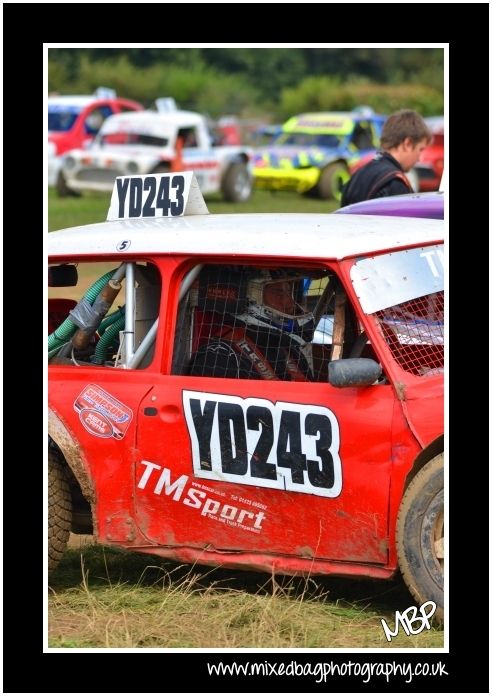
x,y
95,422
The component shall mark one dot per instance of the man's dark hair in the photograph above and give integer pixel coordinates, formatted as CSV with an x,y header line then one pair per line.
x,y
404,124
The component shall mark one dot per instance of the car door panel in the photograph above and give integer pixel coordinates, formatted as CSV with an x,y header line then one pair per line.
x,y
261,465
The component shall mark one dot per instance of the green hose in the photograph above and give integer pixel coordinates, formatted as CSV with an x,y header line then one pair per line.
x,y
110,319
55,346
68,328
53,352
106,340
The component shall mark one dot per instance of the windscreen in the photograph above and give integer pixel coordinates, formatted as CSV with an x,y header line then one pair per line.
x,y
308,139
62,118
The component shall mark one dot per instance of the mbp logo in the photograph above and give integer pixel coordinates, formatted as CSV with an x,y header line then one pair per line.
x,y
408,617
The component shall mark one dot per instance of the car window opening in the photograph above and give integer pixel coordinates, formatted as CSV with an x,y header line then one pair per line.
x,y
107,320
271,323
414,333
132,138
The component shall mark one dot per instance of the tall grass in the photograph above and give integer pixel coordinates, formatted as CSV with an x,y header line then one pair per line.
x,y
108,598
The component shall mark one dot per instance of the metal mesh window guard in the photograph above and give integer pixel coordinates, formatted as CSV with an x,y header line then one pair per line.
x,y
254,323
414,332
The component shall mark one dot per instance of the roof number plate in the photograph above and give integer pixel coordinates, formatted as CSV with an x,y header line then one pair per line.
x,y
156,195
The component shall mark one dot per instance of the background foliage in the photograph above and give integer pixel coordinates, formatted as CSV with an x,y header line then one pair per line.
x,y
258,81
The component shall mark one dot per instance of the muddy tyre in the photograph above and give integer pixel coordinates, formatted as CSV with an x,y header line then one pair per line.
x,y
237,183
59,511
420,535
331,180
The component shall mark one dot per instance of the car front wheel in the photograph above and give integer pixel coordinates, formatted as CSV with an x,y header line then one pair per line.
x,y
331,180
59,511
420,535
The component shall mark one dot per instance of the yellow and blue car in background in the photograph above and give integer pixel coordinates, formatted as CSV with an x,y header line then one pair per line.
x,y
314,152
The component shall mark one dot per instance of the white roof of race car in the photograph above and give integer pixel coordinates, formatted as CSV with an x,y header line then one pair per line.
x,y
153,119
274,235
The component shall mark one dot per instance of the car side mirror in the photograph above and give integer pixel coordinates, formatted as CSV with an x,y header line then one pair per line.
x,y
63,276
353,372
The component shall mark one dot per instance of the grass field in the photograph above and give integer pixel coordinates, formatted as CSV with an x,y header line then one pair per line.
x,y
101,597
93,207
108,598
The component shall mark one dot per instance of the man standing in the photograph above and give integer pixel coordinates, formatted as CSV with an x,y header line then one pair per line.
x,y
405,134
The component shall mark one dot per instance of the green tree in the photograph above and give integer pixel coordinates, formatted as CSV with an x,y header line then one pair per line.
x,y
254,79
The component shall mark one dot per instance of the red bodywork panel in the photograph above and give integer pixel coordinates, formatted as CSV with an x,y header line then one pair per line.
x,y
167,479
431,164
77,136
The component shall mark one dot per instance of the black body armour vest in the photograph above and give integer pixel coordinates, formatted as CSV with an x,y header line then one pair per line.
x,y
366,182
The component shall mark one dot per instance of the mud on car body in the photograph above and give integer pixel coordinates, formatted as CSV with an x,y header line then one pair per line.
x,y
315,152
333,469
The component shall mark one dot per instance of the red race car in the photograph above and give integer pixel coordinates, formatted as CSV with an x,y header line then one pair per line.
x,y
199,420
431,164
74,121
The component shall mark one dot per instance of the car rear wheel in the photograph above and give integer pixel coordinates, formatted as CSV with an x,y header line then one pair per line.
x,y
420,535
331,180
59,511
237,183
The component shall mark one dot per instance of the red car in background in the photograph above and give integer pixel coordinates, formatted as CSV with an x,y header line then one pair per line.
x,y
431,164
228,131
75,120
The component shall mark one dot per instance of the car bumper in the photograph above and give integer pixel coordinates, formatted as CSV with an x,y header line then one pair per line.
x,y
92,179
299,180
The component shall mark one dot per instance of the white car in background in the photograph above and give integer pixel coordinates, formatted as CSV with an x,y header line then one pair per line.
x,y
148,142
